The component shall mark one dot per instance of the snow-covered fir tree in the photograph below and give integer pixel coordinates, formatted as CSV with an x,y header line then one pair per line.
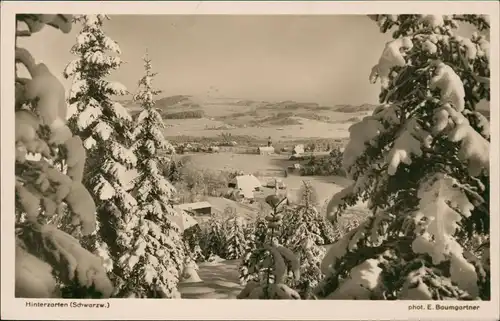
x,y
309,255
265,269
421,160
48,260
255,235
259,228
213,239
104,126
192,238
307,195
256,230
326,229
235,238
303,235
153,264
304,216
256,238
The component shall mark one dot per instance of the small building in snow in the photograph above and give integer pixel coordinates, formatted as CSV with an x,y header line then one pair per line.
x,y
182,219
276,183
247,184
200,208
298,149
266,150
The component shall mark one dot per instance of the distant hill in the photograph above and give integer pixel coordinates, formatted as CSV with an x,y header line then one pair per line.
x,y
290,105
166,102
177,101
255,112
167,105
249,107
353,108
189,101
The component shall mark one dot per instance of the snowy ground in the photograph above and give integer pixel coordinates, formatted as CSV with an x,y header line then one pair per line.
x,y
220,281
219,113
325,186
306,129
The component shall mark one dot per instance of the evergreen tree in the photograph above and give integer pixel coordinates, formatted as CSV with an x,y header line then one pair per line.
x,y
235,243
193,238
260,229
213,240
49,198
308,197
172,170
309,255
304,216
104,126
155,259
256,231
421,160
326,229
256,238
265,269
304,237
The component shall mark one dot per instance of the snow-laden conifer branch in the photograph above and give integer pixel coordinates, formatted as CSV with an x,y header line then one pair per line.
x,y
414,157
51,200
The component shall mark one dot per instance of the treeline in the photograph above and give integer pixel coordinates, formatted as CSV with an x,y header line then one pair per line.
x,y
185,114
324,165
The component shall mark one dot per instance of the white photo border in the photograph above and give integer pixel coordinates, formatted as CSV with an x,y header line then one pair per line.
x,y
185,309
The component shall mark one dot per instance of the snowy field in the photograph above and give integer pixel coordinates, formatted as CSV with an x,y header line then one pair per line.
x,y
281,120
219,281
325,186
307,129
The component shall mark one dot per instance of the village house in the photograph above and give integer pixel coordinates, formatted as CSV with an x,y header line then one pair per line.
x,y
247,184
182,219
298,150
198,208
266,150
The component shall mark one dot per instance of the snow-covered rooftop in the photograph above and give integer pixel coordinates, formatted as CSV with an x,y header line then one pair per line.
x,y
193,206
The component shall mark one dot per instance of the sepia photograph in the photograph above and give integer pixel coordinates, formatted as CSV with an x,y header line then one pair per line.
x,y
249,156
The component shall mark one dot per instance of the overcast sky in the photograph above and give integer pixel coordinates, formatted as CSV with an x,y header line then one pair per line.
x,y
324,59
